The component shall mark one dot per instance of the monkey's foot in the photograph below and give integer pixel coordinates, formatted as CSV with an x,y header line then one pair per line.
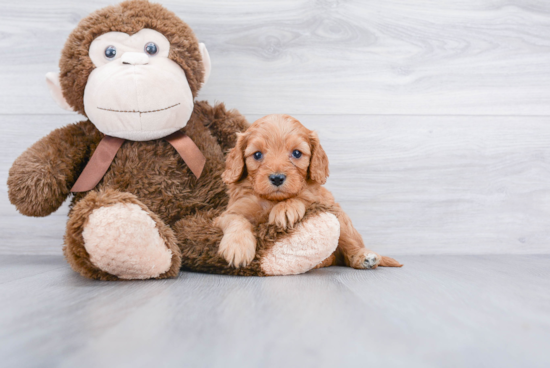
x,y
313,241
124,241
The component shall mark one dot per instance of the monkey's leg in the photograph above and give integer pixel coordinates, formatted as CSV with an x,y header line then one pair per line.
x,y
111,235
279,251
310,245
199,239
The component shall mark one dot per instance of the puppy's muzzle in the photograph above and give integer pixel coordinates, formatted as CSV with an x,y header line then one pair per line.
x,y
277,179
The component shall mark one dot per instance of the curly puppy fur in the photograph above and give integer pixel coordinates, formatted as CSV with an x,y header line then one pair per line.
x,y
274,173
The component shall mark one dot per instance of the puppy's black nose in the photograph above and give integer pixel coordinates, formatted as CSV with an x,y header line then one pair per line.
x,y
277,179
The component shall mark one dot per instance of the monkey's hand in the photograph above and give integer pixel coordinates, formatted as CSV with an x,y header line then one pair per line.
x,y
223,124
41,178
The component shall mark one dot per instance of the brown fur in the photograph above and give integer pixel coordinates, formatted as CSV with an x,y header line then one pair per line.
x,y
199,242
150,174
129,17
255,200
75,252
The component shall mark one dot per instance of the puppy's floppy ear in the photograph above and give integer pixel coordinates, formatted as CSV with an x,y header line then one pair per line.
x,y
234,164
318,166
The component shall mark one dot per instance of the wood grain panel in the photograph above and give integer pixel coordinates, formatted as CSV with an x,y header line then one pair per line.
x,y
489,57
442,184
411,184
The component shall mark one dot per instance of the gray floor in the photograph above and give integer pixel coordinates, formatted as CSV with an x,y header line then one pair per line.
x,y
434,115
464,311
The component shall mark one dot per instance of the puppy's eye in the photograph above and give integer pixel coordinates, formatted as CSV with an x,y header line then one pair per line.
x,y
296,154
151,48
110,52
258,155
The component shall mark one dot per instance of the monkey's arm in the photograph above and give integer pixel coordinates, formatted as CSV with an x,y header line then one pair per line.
x,y
41,178
223,124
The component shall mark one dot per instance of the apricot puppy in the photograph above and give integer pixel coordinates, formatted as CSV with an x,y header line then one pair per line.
x,y
274,172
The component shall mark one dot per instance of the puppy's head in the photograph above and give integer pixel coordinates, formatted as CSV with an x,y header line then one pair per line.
x,y
278,156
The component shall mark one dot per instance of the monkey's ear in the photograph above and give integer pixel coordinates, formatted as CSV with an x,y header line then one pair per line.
x,y
206,62
52,80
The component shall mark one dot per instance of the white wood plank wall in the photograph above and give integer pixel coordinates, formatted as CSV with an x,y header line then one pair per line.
x,y
435,114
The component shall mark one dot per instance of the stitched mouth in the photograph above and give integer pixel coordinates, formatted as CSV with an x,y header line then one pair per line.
x,y
137,111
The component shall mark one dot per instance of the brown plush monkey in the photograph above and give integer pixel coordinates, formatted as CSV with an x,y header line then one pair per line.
x,y
145,167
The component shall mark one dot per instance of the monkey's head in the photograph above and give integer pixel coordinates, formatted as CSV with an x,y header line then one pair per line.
x,y
133,69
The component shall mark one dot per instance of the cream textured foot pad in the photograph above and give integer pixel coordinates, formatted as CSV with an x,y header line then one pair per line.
x,y
313,241
124,241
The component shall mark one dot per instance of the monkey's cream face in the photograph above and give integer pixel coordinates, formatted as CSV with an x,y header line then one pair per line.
x,y
136,92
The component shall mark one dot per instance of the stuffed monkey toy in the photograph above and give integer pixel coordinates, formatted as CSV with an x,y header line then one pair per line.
x,y
144,169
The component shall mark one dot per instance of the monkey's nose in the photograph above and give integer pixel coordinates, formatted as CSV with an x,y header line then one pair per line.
x,y
277,179
135,58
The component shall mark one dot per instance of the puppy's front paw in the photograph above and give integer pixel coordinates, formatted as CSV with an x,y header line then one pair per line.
x,y
364,259
238,248
287,213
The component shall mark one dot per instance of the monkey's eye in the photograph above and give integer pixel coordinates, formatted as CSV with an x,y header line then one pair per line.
x,y
258,156
110,52
296,154
151,48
